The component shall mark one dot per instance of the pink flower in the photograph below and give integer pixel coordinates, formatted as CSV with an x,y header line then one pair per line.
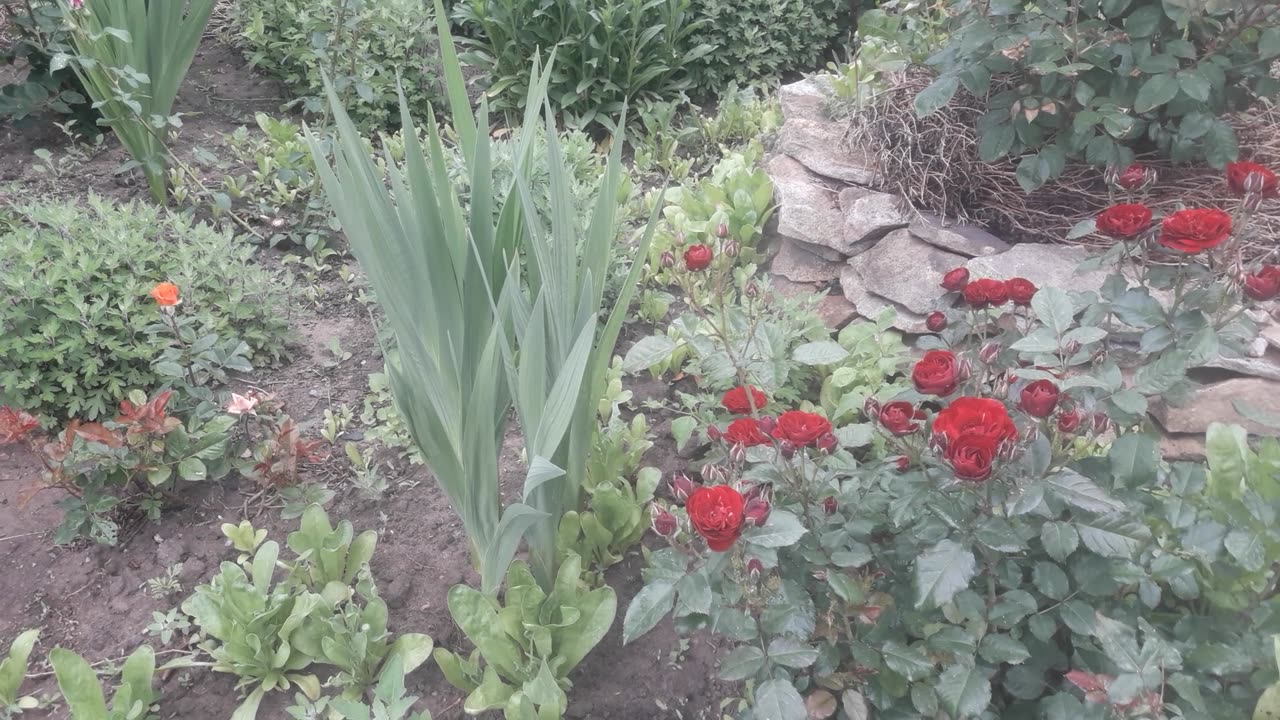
x,y
242,405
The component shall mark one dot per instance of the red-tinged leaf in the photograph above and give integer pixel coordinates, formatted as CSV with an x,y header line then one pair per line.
x,y
1089,682
95,433
15,425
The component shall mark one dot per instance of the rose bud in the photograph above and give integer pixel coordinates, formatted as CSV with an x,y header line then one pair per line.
x,y
1251,203
1068,421
871,408
1254,182
664,523
753,290
1009,449
682,487
762,491
787,449
756,512
668,259
754,569
989,353
1072,347
722,231
964,370
828,443
1263,285
900,418
1101,423
903,464
738,453
936,322
1111,175
698,257
714,434
679,237
830,505
730,249
1040,398
714,474
1131,178
1021,290
955,280
768,424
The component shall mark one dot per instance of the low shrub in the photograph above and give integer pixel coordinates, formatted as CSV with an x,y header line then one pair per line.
x,y
37,32
757,41
362,45
610,54
74,329
1099,81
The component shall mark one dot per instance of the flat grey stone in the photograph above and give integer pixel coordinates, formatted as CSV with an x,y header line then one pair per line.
x,y
807,208
1044,265
906,270
870,215
967,240
803,100
1215,402
821,251
1265,365
819,145
799,265
869,305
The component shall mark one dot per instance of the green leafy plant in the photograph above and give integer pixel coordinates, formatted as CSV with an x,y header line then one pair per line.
x,y
529,642
362,46
74,327
131,56
133,698
611,54
1099,81
328,555
12,671
38,31
389,701
757,41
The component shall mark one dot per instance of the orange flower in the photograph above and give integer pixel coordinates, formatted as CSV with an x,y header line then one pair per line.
x,y
165,294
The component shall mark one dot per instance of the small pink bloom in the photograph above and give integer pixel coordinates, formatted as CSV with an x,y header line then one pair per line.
x,y
242,405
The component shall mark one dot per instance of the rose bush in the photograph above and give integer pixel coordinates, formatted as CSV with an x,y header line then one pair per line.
x,y
1007,542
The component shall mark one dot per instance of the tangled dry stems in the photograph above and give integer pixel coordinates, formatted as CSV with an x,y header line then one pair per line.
x,y
933,164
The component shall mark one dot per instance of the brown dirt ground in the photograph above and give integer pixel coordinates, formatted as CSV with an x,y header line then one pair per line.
x,y
92,598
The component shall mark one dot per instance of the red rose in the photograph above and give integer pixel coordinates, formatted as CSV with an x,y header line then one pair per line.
x,y
937,373
756,511
1040,398
663,522
955,280
903,464
801,428
1133,177
986,292
936,322
983,416
973,455
830,505
1263,285
1124,221
1238,174
901,418
1068,421
1021,290
716,513
1196,230
736,402
697,257
746,432
165,294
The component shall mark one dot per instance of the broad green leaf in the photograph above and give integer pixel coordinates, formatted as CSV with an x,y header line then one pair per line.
x,y
1054,308
1051,580
1003,649
823,352
1156,91
783,529
1078,490
648,352
908,662
649,606
1116,535
742,663
936,96
1134,459
14,667
682,429
965,690
79,685
1247,548
778,700
792,653
942,571
1060,539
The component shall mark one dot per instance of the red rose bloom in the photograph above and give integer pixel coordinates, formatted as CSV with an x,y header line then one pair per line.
x,y
983,416
698,257
1040,398
936,322
745,432
801,428
1263,285
1124,221
1021,290
716,513
1238,178
937,373
1197,230
986,293
736,402
973,455
901,418
165,294
1132,177
1068,421
955,280
903,464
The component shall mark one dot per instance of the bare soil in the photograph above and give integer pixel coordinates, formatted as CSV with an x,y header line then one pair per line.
x,y
93,599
